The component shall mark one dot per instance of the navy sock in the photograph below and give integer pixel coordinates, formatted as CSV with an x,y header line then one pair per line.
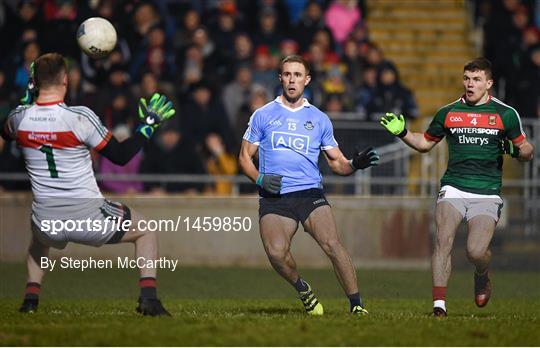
x,y
148,287
300,285
355,300
32,291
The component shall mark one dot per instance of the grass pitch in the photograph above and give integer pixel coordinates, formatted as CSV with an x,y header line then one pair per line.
x,y
253,307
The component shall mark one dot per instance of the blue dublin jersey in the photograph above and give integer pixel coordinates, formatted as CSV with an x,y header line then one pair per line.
x,y
290,141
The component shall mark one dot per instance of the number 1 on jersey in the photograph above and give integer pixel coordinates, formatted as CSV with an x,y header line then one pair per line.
x,y
48,151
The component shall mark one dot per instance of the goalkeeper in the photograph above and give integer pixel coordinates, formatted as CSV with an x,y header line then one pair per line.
x,y
479,129
56,140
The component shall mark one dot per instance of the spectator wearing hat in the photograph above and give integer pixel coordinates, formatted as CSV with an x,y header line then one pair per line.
x,y
268,33
391,95
311,20
203,114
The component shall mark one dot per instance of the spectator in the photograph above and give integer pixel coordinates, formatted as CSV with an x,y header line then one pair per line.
x,y
341,17
258,97
76,95
310,22
61,23
268,32
211,56
6,95
219,162
192,69
236,93
391,96
295,8
172,153
354,62
115,103
121,133
364,95
25,20
263,73
224,33
154,55
202,115
335,84
334,104
30,52
183,35
528,101
324,40
145,17
242,55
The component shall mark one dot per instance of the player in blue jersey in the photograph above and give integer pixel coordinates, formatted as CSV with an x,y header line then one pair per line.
x,y
289,134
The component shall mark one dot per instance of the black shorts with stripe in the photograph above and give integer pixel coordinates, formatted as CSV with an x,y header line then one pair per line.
x,y
295,205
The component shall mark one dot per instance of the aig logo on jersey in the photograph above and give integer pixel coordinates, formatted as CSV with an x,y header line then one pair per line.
x,y
290,141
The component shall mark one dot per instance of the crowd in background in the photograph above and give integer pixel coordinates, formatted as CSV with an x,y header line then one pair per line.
x,y
512,44
217,60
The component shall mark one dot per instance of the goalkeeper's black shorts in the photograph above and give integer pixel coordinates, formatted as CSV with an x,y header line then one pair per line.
x,y
295,205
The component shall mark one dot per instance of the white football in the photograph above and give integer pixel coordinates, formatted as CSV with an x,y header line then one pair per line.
x,y
96,37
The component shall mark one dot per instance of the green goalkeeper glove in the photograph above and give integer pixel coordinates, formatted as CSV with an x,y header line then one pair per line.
x,y
394,124
508,148
152,114
30,93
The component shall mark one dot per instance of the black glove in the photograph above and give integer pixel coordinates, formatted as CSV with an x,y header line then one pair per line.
x,y
508,148
269,182
365,159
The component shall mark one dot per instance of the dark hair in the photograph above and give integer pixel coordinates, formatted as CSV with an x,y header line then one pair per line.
x,y
294,59
49,69
479,64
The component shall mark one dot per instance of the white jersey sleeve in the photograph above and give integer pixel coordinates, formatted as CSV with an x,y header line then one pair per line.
x,y
89,129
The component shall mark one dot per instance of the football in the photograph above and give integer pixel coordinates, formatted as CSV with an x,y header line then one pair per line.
x,y
96,37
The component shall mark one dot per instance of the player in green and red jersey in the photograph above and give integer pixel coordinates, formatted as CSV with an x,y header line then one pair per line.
x,y
479,129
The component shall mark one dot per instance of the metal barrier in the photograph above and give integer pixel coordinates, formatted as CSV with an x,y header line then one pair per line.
x,y
391,177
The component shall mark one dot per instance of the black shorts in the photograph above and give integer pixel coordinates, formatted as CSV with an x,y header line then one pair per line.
x,y
295,205
116,209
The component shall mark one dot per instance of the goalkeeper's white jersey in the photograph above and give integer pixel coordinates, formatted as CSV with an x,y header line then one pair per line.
x,y
55,140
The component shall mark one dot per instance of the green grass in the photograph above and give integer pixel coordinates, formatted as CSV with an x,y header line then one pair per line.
x,y
253,307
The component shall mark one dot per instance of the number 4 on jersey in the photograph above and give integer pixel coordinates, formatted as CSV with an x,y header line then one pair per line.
x,y
48,151
474,121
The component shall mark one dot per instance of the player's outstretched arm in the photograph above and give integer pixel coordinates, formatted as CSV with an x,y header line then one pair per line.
x,y
343,166
152,115
396,126
269,182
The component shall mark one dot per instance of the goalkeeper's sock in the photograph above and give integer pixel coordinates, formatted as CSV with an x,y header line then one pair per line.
x,y
355,300
32,291
148,287
439,297
300,285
